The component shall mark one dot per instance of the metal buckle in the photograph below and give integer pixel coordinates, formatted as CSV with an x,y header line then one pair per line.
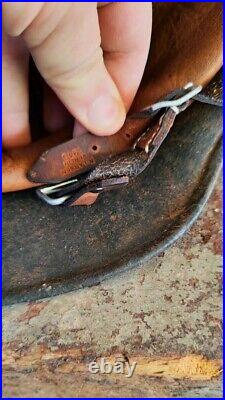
x,y
68,192
47,193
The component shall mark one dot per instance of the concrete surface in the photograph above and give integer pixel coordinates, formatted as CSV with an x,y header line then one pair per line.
x,y
165,315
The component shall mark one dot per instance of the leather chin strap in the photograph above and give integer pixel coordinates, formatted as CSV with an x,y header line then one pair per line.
x,y
118,170
186,46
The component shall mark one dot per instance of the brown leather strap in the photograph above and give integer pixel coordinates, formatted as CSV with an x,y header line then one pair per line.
x,y
80,154
116,171
17,162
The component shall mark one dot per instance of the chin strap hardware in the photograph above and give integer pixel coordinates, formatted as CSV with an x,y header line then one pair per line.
x,y
117,171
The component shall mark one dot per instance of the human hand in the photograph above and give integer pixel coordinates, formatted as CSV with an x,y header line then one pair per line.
x,y
91,56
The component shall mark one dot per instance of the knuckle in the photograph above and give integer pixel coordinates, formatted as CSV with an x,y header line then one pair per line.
x,y
76,76
18,16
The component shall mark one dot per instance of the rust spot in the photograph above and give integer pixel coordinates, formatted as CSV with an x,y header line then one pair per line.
x,y
193,282
33,310
126,291
168,298
142,279
115,333
141,316
193,304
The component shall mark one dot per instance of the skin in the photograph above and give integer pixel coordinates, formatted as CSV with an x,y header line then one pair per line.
x,y
91,55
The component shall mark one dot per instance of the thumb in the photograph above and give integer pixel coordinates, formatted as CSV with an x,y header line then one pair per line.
x,y
64,40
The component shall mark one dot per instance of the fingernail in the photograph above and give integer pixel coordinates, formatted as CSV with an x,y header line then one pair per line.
x,y
106,114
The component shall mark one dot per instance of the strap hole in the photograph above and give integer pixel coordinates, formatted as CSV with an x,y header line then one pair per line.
x,y
94,148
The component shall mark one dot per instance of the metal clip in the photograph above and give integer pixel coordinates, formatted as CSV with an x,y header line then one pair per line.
x,y
67,192
189,91
176,100
47,193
